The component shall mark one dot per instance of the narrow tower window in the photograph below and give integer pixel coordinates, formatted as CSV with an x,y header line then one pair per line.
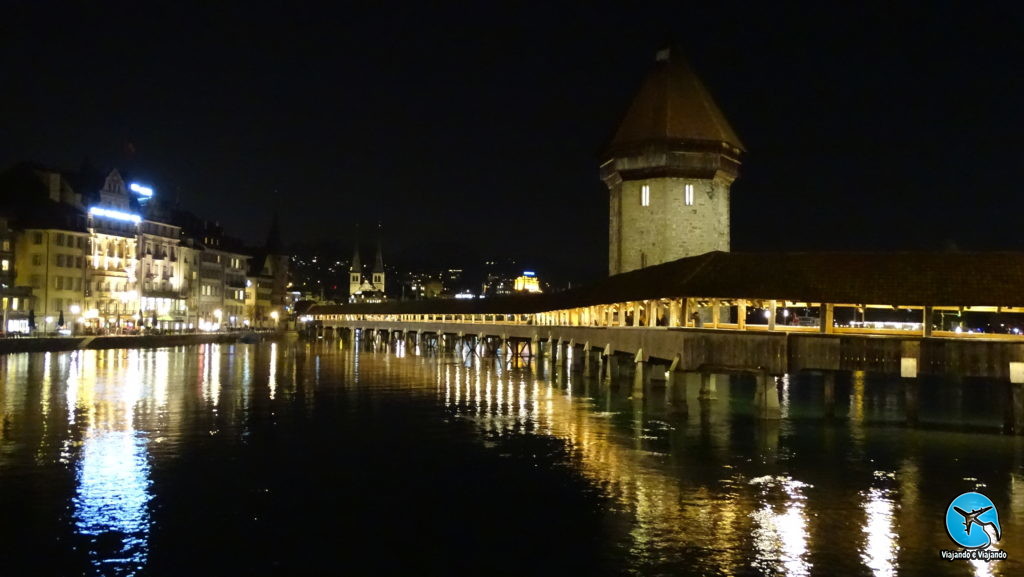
x,y
688,194
645,195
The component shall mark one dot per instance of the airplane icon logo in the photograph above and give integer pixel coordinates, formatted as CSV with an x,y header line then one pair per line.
x,y
966,512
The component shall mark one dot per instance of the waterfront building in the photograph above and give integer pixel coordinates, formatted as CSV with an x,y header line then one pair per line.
x,y
236,266
162,276
112,277
669,169
15,301
52,261
117,257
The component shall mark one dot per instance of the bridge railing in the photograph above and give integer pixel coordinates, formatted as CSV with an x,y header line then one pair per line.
x,y
727,315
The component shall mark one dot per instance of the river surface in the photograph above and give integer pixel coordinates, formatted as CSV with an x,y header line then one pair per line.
x,y
299,458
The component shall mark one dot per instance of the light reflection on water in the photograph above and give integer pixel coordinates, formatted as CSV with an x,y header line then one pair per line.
x,y
881,535
112,470
780,527
708,493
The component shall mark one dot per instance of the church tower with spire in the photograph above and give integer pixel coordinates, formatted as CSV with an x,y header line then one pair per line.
x,y
360,288
378,265
668,170
355,271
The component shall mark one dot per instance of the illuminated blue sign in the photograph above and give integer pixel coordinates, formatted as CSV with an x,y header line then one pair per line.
x,y
115,214
529,273
143,190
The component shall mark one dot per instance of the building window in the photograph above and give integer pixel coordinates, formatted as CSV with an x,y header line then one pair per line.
x,y
6,245
688,194
645,195
37,259
5,264
37,238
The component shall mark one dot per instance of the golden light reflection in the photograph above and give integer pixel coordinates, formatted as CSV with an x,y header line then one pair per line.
x,y
780,531
211,377
857,397
881,538
672,516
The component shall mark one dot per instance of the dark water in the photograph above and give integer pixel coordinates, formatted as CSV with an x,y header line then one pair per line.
x,y
317,459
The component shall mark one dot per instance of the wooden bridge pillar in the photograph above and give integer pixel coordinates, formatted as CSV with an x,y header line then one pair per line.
x,y
826,316
586,359
640,375
766,397
1015,408
675,389
707,387
610,365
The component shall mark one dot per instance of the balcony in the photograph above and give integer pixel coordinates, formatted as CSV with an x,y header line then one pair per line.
x,y
163,293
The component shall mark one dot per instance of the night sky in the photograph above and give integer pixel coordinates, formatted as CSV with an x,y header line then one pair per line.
x,y
480,129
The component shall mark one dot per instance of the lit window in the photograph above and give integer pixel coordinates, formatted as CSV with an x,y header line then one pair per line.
x,y
645,195
688,192
5,264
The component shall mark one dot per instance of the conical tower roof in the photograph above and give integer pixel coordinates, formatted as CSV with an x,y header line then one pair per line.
x,y
378,264
356,266
672,105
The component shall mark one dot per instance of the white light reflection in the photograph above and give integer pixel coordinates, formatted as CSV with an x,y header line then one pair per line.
x,y
112,473
272,378
112,499
780,533
881,543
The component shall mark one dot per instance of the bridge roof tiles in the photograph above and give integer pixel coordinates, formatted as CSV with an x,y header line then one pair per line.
x,y
897,278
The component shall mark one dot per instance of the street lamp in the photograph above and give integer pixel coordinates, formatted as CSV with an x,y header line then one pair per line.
x,y
274,315
217,314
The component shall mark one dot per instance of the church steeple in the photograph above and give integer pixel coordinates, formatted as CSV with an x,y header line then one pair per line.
x,y
378,265
669,170
355,270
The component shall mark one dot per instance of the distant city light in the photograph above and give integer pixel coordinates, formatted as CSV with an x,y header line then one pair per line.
x,y
529,273
115,214
143,190
465,296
